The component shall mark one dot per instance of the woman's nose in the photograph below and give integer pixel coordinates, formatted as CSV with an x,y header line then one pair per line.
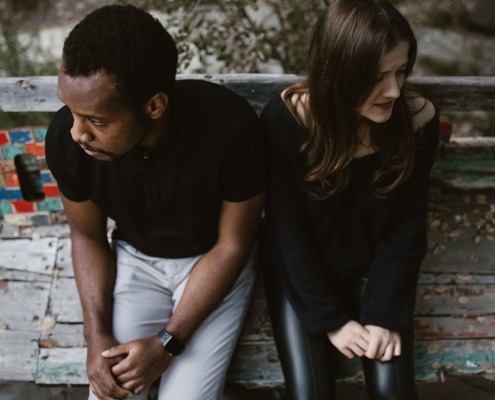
x,y
391,89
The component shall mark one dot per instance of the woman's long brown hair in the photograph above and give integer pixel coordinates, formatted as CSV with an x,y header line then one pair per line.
x,y
347,44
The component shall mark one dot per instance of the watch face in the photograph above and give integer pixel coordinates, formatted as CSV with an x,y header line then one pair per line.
x,y
171,343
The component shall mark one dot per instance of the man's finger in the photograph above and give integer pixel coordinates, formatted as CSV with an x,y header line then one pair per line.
x,y
115,351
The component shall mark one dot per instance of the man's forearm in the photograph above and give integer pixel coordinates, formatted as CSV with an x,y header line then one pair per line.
x,y
210,281
94,270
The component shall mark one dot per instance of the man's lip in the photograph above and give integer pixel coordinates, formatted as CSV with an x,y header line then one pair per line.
x,y
90,152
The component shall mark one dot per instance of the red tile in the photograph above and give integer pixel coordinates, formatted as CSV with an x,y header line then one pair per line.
x,y
23,206
38,149
51,190
11,180
4,138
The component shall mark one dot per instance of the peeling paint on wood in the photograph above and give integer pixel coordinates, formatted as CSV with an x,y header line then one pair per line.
x,y
447,92
66,366
455,313
64,301
29,255
18,355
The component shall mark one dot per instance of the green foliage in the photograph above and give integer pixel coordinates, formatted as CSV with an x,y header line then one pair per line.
x,y
20,49
239,36
439,67
21,54
439,17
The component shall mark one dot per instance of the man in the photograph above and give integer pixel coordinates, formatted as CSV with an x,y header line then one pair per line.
x,y
180,167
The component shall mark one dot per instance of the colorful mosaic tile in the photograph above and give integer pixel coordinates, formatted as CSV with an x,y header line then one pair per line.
x,y
9,151
4,138
5,207
21,136
39,134
23,206
10,194
47,177
19,141
51,190
50,204
11,180
38,149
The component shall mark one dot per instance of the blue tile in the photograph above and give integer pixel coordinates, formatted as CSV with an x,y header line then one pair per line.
x,y
46,177
10,194
21,136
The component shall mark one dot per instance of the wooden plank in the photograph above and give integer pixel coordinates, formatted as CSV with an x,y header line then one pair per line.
x,y
38,93
23,305
18,355
14,275
454,358
62,366
257,365
64,259
455,300
461,233
63,335
29,255
426,278
452,327
257,326
64,301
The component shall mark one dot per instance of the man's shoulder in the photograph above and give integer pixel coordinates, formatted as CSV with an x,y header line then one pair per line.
x,y
210,95
61,123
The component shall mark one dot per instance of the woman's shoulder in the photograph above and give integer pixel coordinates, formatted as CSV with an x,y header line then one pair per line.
x,y
422,110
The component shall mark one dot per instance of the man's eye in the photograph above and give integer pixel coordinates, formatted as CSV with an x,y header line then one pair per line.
x,y
97,122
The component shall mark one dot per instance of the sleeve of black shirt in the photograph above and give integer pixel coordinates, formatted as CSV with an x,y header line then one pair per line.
x,y
62,155
392,280
289,242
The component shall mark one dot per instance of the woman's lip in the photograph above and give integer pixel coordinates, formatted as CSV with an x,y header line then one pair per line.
x,y
385,106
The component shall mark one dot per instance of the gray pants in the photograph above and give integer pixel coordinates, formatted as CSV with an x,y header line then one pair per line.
x,y
147,289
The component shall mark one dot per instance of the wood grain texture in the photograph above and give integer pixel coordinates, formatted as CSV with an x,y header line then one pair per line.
x,y
38,93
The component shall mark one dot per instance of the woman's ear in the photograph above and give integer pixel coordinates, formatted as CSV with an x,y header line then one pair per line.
x,y
156,106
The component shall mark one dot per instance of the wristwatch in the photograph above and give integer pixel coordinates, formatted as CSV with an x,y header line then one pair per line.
x,y
171,343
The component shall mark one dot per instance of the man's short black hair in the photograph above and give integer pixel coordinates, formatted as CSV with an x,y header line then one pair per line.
x,y
128,43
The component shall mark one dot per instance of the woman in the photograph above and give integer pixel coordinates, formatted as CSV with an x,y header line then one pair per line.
x,y
351,152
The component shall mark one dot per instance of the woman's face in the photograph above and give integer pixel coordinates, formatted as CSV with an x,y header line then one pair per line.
x,y
379,104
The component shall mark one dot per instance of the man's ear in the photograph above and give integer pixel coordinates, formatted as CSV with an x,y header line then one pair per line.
x,y
155,107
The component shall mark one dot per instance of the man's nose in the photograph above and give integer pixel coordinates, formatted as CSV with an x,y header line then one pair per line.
x,y
79,131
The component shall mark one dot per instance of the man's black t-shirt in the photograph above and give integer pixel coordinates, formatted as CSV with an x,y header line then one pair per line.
x,y
166,201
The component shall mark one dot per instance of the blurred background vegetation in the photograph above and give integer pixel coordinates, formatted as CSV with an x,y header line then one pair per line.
x,y
253,36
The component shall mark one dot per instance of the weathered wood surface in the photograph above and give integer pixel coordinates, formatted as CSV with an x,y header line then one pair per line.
x,y
24,94
40,316
466,164
41,321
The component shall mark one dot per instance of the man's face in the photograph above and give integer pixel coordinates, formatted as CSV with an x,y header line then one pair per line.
x,y
105,128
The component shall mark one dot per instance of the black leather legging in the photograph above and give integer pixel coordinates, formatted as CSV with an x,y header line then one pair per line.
x,y
308,361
